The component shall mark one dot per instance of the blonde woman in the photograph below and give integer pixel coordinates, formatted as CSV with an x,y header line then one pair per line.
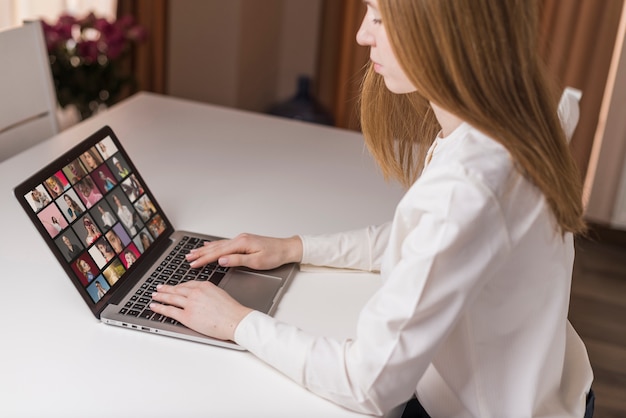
x,y
93,233
85,269
471,319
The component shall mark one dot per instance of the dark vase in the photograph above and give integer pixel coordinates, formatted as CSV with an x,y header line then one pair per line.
x,y
303,106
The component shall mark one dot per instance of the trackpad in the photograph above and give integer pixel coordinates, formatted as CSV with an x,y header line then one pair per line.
x,y
253,290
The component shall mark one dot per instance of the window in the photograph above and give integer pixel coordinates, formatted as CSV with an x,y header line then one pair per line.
x,y
14,12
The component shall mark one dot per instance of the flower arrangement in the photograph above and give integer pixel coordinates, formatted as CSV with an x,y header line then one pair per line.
x,y
87,59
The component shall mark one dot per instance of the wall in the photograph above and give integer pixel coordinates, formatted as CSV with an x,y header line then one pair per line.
x,y
241,53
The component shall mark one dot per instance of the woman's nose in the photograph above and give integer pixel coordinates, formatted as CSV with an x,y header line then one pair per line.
x,y
364,36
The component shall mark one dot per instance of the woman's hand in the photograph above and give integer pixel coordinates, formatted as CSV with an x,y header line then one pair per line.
x,y
201,306
253,251
208,309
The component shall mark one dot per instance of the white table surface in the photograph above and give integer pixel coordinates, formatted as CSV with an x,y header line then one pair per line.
x,y
213,170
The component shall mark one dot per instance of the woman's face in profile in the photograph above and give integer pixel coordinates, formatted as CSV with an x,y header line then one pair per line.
x,y
372,33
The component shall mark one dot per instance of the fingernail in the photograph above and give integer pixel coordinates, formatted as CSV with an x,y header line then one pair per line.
x,y
223,261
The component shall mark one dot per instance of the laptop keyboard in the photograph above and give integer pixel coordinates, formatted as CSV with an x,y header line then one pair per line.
x,y
173,270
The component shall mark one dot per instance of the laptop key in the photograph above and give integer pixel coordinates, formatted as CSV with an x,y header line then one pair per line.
x,y
147,314
217,277
158,318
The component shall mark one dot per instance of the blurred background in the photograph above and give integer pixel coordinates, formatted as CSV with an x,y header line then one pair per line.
x,y
253,55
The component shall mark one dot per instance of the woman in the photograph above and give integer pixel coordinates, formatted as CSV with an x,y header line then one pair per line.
x,y
107,181
91,159
71,250
477,262
115,241
93,233
106,250
129,258
40,200
76,172
125,215
89,192
101,290
73,208
55,224
107,218
55,186
85,269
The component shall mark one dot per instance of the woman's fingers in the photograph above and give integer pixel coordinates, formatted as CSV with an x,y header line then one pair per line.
x,y
254,251
212,251
200,306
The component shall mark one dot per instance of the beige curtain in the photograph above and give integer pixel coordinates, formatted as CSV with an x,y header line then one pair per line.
x,y
578,38
148,61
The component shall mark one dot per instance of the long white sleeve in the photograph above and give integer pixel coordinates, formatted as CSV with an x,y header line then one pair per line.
x,y
360,249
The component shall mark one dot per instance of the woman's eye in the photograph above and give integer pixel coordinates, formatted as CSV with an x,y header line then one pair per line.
x,y
377,21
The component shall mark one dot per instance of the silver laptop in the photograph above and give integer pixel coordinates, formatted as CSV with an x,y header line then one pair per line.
x,y
116,244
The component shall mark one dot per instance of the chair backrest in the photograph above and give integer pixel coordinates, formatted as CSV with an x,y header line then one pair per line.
x,y
569,110
27,97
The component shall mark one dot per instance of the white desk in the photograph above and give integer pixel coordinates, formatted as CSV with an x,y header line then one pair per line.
x,y
214,170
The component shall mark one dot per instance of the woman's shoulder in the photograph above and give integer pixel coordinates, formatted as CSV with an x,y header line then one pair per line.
x,y
471,154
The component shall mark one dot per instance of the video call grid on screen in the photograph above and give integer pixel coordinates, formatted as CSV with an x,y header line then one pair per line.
x,y
99,216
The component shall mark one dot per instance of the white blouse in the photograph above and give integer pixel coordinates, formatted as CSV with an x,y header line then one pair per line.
x,y
472,312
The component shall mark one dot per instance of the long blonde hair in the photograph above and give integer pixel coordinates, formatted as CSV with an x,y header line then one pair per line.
x,y
477,59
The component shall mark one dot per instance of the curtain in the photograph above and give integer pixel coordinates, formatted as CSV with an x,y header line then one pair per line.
x,y
577,42
341,61
148,59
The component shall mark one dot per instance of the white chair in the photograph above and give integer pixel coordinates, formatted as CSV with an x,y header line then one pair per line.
x,y
28,101
569,110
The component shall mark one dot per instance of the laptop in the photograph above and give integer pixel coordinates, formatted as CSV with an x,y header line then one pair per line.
x,y
113,239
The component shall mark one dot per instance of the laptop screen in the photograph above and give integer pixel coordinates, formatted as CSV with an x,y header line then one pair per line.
x,y
95,212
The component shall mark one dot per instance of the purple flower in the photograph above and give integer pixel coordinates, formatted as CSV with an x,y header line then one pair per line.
x,y
85,57
102,25
66,20
88,50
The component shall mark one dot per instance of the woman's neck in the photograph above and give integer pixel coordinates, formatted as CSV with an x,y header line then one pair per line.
x,y
447,120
